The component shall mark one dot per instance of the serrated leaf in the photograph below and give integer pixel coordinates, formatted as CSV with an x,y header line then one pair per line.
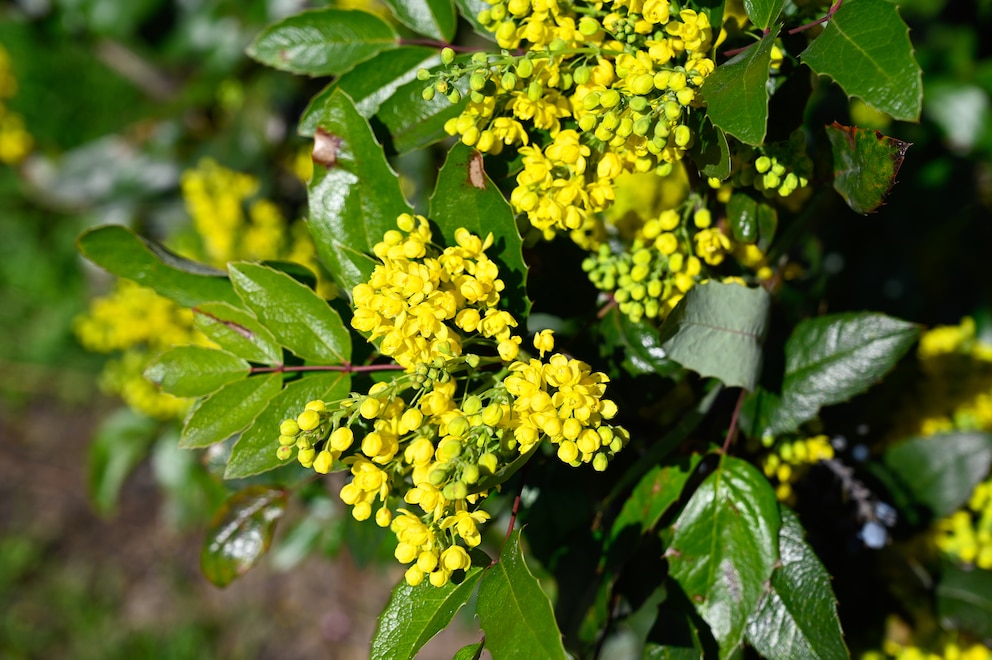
x,y
865,48
964,600
299,319
725,546
187,371
717,330
830,359
255,450
941,471
797,618
355,196
414,123
465,197
414,615
736,93
470,652
710,151
865,165
514,612
241,532
322,42
229,410
238,332
125,254
435,18
370,83
763,12
120,443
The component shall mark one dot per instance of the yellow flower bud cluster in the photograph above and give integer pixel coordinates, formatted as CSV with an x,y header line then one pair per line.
x,y
789,460
951,650
15,141
420,300
966,535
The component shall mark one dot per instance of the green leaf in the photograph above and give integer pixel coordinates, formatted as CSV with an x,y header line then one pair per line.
x,y
832,358
413,122
435,18
241,532
255,450
710,151
742,211
298,318
322,42
470,9
725,547
466,197
238,332
716,330
763,12
229,410
125,254
371,82
736,93
120,443
940,472
865,48
470,652
514,612
414,615
964,600
195,371
355,197
640,342
797,618
865,165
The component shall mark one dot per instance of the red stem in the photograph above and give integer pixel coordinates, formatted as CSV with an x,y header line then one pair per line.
x,y
732,431
830,12
347,368
513,512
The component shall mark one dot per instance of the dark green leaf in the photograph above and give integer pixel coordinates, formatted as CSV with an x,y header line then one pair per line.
x,y
229,410
195,371
709,150
865,48
355,197
466,197
964,600
123,253
470,652
767,225
725,547
322,42
435,18
865,165
237,332
640,342
716,330
659,652
413,122
241,532
415,614
120,443
736,93
514,612
763,12
300,319
940,472
255,451
798,617
742,211
658,490
371,82
470,9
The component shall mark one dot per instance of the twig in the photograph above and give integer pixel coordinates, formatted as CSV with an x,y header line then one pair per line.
x,y
347,368
732,431
830,12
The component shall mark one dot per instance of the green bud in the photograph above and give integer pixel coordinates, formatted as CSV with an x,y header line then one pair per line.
x,y
508,81
428,93
472,360
442,86
610,98
477,82
437,476
455,96
588,26
423,74
472,405
581,75
642,126
447,55
535,91
638,103
525,68
485,17
558,45
480,57
470,474
455,491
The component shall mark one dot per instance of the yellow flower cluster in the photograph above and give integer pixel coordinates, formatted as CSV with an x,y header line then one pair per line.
x,y
966,534
949,651
789,460
15,141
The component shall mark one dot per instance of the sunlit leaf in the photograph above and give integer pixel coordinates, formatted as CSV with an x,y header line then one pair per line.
x,y
229,410
414,123
435,18
763,12
241,532
238,332
736,92
186,371
865,165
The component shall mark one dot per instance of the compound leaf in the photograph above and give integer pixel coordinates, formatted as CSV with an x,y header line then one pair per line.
x,y
195,371
229,410
413,122
435,18
736,93
238,332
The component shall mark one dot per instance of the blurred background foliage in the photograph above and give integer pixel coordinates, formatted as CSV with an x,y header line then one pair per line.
x,y
147,113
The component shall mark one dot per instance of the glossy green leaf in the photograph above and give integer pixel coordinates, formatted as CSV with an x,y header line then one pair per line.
x,y
660,652
371,82
120,443
355,196
470,652
238,332
767,225
940,472
797,618
322,42
299,319
640,343
195,371
241,532
710,151
830,359
413,122
763,12
514,612
470,10
229,410
736,93
125,254
717,330
255,450
725,546
742,212
414,615
865,48
465,197
964,599
435,18
865,165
